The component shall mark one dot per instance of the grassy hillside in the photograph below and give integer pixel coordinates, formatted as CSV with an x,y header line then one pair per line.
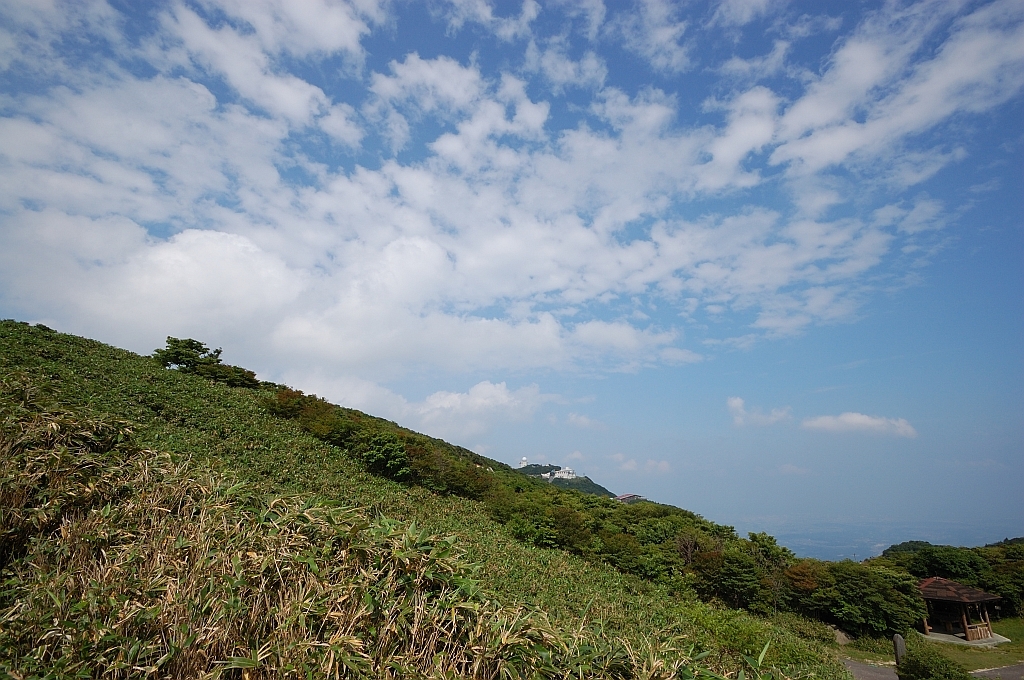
x,y
233,432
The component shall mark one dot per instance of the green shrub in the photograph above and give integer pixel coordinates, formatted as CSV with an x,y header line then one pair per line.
x,y
192,356
861,599
924,662
384,454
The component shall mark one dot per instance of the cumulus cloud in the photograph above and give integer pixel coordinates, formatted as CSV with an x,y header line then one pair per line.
x,y
858,422
561,70
456,416
741,416
470,413
180,182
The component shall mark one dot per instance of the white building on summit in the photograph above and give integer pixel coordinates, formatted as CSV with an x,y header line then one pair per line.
x,y
556,473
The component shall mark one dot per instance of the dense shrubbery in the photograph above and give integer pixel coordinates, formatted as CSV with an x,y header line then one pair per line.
x,y
924,662
998,568
861,599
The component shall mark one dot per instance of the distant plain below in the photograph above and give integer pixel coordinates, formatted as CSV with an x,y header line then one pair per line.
x,y
859,540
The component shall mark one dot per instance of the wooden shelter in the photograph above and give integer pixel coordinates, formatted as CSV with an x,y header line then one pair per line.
x,y
953,606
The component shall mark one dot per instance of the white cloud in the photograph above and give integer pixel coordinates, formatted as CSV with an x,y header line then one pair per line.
x,y
740,12
583,422
751,125
243,63
653,31
649,466
858,422
659,466
625,464
339,123
454,416
470,413
756,68
561,71
512,240
873,74
460,12
593,12
925,214
305,28
741,416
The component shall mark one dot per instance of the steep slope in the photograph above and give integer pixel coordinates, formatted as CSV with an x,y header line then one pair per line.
x,y
232,430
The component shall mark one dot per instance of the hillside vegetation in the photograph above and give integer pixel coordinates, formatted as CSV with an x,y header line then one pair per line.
x,y
211,431
122,562
997,568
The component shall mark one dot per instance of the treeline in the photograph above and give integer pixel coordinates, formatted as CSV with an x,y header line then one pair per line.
x,y
997,568
660,543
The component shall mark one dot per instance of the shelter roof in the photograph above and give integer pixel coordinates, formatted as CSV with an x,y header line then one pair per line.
x,y
936,588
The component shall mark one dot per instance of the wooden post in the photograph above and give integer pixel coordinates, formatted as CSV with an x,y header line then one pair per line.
x,y
988,622
963,618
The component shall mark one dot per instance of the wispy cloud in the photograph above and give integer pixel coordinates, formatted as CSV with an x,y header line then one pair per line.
x,y
649,466
653,30
741,416
582,421
858,422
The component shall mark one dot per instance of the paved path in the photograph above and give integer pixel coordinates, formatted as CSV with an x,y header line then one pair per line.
x,y
1008,673
864,671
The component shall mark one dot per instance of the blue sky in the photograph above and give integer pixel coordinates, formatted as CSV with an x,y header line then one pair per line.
x,y
760,259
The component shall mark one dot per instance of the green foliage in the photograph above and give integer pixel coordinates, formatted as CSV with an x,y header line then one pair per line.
x,y
583,485
946,561
451,491
192,356
385,455
925,662
861,599
997,568
166,568
905,547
